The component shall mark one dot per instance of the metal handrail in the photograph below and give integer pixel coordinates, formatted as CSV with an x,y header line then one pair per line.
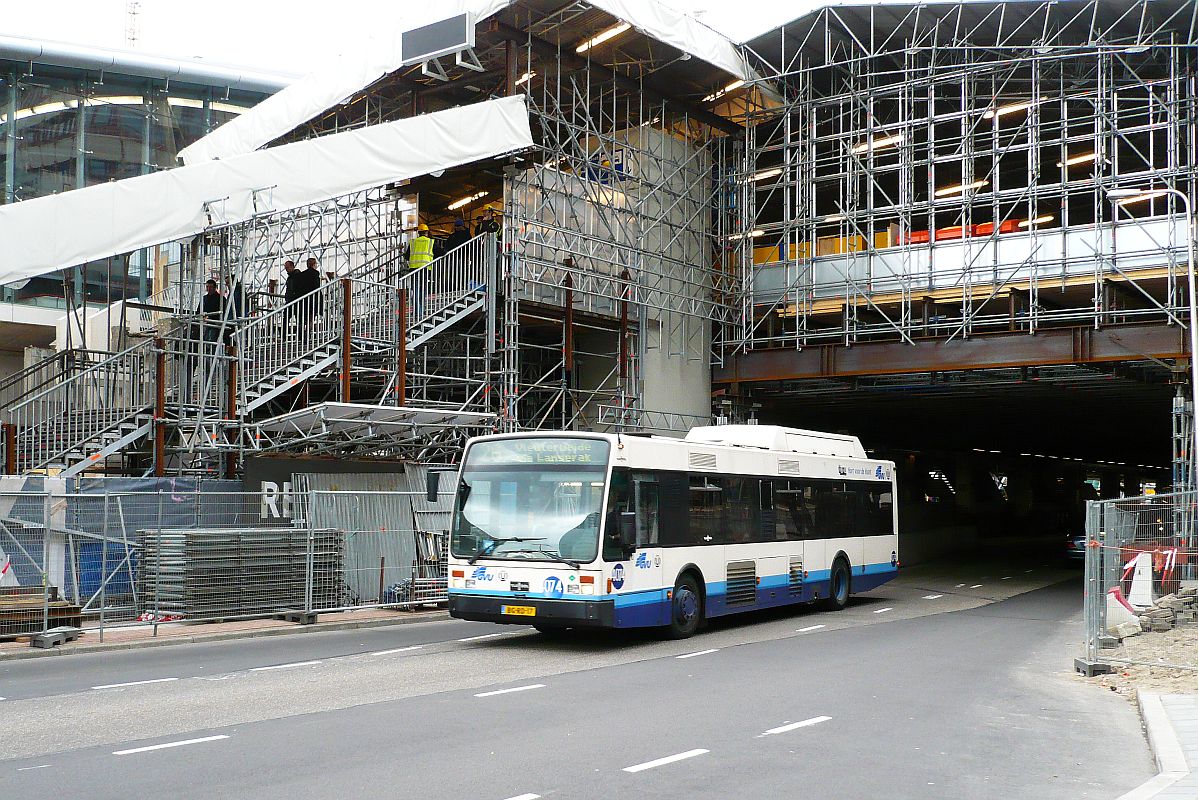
x,y
62,417
448,278
269,344
49,370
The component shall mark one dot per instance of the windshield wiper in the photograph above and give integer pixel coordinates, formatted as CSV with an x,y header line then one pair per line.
x,y
552,556
498,540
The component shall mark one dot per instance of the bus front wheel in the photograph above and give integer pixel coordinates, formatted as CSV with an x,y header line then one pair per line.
x,y
686,608
838,586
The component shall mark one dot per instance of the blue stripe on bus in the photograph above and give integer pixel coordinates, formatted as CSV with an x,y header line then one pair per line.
x,y
649,607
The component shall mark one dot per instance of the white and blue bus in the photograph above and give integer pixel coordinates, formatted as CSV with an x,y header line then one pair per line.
x,y
572,530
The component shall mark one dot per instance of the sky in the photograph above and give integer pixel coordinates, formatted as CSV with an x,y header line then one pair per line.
x,y
291,36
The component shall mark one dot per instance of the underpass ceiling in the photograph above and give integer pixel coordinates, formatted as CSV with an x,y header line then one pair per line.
x,y
1114,413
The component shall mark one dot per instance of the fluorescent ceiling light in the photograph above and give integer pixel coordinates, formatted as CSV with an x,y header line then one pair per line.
x,y
753,234
525,78
772,172
228,108
600,38
961,187
877,144
736,84
1007,109
1124,197
465,201
1040,220
185,102
1079,159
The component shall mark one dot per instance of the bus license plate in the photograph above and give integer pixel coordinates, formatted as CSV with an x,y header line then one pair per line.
x,y
519,611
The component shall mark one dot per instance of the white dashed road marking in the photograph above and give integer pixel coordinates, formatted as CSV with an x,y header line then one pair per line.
x,y
133,683
484,636
796,725
884,610
509,691
39,766
397,650
168,744
663,761
285,666
700,653
1007,578
810,628
932,596
525,797
976,586
960,586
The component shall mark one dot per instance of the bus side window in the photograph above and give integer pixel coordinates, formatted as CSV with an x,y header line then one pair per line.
x,y
647,512
766,529
707,515
618,502
674,526
742,513
793,514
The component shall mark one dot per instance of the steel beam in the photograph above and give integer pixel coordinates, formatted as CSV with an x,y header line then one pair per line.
x,y
991,351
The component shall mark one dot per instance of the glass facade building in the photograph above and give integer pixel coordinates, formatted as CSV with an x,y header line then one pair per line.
x,y
72,117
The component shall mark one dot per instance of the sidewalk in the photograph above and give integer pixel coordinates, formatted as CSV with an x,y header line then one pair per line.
x,y
135,636
1171,723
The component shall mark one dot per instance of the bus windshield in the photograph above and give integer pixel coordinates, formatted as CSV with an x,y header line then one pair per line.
x,y
530,499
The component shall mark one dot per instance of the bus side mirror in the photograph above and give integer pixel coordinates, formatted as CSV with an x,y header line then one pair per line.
x,y
432,485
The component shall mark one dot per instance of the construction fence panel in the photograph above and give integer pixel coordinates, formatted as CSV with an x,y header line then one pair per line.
x,y
99,560
1141,578
28,603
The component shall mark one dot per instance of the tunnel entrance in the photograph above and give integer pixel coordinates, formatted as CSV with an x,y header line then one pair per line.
x,y
987,458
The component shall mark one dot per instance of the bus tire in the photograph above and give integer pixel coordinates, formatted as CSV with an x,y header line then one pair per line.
x,y
686,608
839,585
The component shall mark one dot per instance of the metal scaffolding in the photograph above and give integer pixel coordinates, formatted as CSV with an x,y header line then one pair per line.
x,y
940,171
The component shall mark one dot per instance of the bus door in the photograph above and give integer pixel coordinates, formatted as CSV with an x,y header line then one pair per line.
x,y
646,562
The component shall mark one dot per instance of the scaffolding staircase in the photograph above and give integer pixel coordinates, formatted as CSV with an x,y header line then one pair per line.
x,y
108,407
79,421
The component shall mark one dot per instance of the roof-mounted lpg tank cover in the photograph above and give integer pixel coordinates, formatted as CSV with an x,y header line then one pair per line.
x,y
775,437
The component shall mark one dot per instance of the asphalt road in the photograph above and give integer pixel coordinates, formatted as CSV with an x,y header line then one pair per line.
x,y
898,696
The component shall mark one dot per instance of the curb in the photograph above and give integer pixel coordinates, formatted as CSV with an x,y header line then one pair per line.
x,y
20,655
1166,749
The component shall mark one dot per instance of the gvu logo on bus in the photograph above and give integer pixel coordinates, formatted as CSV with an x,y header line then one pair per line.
x,y
553,586
642,561
617,576
480,574
878,473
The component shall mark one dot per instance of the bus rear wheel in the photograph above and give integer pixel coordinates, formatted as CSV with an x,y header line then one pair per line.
x,y
686,609
838,586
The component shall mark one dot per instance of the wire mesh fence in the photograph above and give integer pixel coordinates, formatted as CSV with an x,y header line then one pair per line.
x,y
1141,598
97,561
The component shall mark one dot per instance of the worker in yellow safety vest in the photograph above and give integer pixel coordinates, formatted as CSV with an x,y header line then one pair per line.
x,y
421,252
420,249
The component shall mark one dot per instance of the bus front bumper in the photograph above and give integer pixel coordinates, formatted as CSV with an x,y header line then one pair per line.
x,y
566,613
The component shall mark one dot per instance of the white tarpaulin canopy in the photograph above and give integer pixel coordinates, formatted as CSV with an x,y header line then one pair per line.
x,y
62,230
325,88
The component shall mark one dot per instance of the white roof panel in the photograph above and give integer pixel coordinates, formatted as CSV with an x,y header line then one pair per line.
x,y
324,89
74,227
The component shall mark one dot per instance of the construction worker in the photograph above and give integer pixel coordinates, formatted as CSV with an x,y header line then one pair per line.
x,y
488,224
420,249
460,235
420,255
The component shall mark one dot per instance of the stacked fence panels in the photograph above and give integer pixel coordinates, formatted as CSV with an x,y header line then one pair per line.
x,y
219,573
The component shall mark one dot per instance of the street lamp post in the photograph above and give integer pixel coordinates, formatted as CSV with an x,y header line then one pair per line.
x,y
1124,196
